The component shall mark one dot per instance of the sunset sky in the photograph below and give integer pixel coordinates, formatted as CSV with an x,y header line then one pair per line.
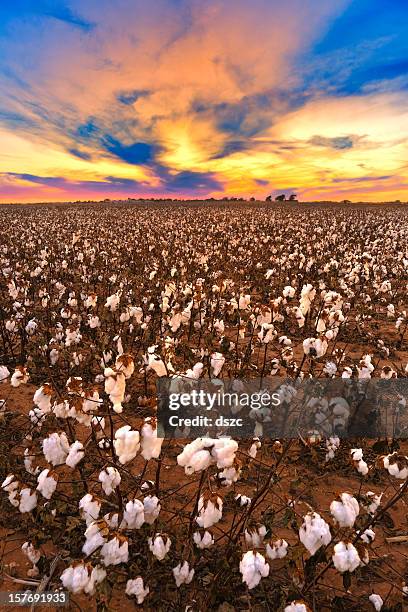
x,y
194,98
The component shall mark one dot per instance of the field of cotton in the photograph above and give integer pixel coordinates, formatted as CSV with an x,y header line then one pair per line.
x,y
96,303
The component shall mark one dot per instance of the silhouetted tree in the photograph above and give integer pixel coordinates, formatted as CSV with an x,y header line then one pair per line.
x,y
280,198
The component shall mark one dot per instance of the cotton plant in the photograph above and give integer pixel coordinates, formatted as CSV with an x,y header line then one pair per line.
x,y
358,461
277,549
115,550
396,465
33,555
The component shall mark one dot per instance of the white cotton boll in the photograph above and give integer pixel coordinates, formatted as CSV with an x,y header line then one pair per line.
x,y
42,398
297,606
253,567
28,462
47,483
202,452
345,557
346,510
157,365
209,512
136,587
152,507
133,515
243,500
82,578
112,302
229,475
20,377
75,455
288,292
4,374
397,465
278,550
115,551
182,574
56,448
196,371
126,443
28,500
89,508
314,532
356,454
377,601
368,536
95,536
115,387
110,479
374,502
203,541
150,443
32,554
217,363
159,546
255,536
255,446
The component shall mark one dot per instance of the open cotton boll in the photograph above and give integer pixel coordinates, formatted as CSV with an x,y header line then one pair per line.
x,y
243,500
297,606
47,483
75,455
126,443
203,541
20,376
157,365
183,574
209,511
150,443
115,551
159,546
33,555
136,587
377,601
81,577
42,398
217,363
56,448
314,532
28,500
115,387
89,508
255,536
397,465
345,557
152,507
110,479
95,536
133,515
346,510
278,550
4,374
202,452
368,536
112,302
253,567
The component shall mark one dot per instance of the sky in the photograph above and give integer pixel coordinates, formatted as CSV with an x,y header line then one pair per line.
x,y
191,99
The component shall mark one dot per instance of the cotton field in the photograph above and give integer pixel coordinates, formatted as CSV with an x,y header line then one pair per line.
x,y
99,301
